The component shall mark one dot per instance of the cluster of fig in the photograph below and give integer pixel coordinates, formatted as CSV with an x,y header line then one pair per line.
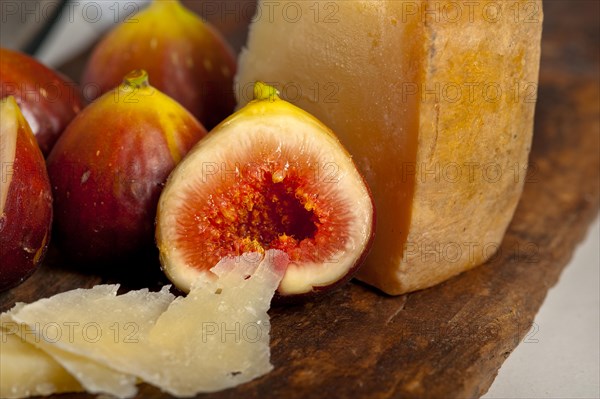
x,y
106,163
129,170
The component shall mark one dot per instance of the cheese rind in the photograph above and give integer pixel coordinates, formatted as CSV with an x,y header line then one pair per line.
x,y
479,125
434,100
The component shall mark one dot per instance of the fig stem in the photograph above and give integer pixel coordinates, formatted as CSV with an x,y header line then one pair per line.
x,y
10,103
263,91
137,79
9,100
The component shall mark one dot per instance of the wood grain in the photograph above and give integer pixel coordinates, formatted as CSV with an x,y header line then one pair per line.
x,y
450,340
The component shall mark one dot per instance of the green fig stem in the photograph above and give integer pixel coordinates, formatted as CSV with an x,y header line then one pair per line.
x,y
10,103
263,91
137,79
10,100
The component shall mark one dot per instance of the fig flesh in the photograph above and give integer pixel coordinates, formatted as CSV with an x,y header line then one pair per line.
x,y
25,198
271,176
186,57
109,166
48,100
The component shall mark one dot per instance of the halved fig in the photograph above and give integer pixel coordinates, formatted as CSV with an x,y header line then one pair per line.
x,y
25,198
271,176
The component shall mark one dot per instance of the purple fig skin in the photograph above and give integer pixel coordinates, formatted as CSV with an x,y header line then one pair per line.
x,y
48,100
186,58
109,167
26,210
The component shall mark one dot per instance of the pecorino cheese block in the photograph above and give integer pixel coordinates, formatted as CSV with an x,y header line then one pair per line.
x,y
434,99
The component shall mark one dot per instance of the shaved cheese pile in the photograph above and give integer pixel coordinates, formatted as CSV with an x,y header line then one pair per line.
x,y
215,338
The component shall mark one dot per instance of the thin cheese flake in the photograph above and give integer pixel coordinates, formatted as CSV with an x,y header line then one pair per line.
x,y
75,326
227,342
215,338
28,371
93,377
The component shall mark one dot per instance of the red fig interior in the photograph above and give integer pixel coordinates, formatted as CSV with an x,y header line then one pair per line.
x,y
258,208
270,182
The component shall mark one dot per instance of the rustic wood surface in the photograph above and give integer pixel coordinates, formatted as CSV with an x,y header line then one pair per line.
x,y
450,340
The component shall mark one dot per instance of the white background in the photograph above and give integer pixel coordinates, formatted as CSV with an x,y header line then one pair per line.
x,y
560,357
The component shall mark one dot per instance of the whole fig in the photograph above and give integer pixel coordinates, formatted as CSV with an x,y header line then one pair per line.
x,y
48,100
108,169
186,57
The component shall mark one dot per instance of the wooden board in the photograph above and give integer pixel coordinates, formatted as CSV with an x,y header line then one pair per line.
x,y
450,340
